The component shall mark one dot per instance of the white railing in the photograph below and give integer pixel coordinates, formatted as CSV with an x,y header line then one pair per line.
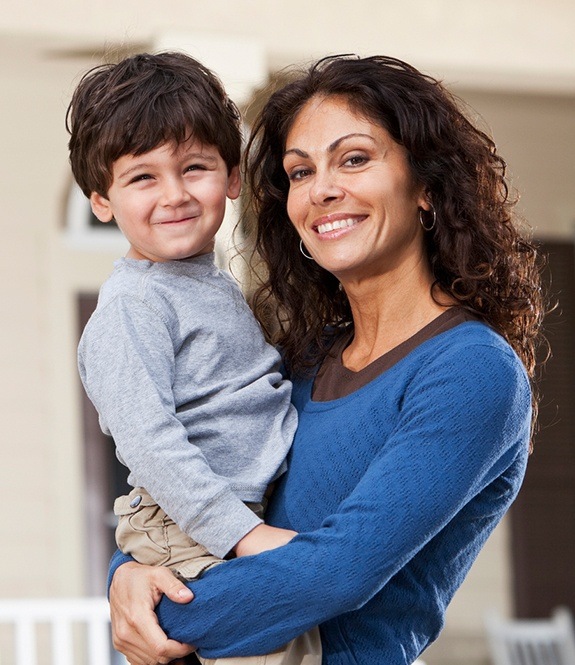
x,y
79,631
64,617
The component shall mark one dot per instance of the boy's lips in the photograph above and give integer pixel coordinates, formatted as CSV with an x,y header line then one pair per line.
x,y
185,218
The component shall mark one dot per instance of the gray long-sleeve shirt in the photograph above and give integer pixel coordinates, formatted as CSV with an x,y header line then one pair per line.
x,y
183,380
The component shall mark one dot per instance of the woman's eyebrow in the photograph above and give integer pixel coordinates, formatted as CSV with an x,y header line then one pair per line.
x,y
331,147
296,151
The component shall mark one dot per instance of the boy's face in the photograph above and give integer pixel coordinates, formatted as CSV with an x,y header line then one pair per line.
x,y
169,202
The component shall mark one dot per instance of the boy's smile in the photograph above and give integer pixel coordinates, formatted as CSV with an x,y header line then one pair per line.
x,y
169,202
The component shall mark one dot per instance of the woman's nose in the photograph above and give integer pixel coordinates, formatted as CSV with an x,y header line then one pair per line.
x,y
325,188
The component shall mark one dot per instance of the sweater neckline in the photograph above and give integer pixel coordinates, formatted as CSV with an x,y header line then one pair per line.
x,y
433,332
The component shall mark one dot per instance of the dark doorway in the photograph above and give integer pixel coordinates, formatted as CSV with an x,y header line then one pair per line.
x,y
543,517
105,478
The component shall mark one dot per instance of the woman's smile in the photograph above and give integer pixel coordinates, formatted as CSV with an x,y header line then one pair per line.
x,y
336,223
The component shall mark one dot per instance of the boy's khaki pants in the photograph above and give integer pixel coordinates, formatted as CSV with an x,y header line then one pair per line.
x,y
147,533
303,650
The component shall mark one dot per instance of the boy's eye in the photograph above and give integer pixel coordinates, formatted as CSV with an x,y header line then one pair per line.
x,y
141,176
196,167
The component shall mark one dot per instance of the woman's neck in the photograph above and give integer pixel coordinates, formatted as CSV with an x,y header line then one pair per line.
x,y
386,312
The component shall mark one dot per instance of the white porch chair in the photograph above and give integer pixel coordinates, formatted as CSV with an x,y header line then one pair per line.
x,y
532,641
67,645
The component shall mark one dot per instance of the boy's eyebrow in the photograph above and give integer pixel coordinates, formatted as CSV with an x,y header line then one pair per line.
x,y
201,155
331,147
136,167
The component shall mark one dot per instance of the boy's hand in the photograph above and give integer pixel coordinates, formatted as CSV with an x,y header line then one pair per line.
x,y
263,538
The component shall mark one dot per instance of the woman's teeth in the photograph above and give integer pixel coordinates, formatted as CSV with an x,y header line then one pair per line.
x,y
338,224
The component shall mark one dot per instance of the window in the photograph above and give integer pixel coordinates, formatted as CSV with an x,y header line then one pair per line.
x,y
84,231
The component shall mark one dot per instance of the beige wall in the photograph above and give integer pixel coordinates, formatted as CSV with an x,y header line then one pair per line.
x,y
514,41
43,49
40,477
536,135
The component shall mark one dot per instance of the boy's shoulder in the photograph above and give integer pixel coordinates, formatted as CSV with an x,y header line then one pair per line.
x,y
138,291
174,286
127,277
133,275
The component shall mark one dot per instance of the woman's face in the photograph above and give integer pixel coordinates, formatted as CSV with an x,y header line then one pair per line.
x,y
352,196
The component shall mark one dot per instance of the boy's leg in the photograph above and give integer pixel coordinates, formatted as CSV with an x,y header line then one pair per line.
x,y
303,650
152,537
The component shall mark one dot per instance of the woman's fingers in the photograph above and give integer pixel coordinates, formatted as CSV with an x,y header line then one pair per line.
x,y
134,593
171,586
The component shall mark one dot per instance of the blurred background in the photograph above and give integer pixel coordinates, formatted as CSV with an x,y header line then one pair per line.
x,y
512,61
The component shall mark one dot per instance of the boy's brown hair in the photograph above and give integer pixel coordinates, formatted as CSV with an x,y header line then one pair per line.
x,y
140,103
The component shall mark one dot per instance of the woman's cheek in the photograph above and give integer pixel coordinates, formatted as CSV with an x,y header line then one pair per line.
x,y
293,207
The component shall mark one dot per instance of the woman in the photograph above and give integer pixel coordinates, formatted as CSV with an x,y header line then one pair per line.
x,y
408,322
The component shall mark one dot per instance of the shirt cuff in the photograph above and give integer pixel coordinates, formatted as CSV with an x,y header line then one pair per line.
x,y
222,524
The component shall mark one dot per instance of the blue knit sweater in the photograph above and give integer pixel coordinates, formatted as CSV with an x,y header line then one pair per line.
x,y
394,489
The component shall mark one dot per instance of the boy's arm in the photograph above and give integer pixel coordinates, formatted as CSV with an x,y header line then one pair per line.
x,y
263,538
126,361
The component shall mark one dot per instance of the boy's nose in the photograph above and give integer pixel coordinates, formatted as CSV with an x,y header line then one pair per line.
x,y
174,192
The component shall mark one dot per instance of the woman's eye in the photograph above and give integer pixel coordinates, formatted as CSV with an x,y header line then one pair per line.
x,y
356,160
298,174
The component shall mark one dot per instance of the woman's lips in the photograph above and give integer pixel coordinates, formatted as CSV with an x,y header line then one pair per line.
x,y
337,224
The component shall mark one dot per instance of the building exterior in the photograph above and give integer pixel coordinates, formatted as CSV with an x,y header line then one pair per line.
x,y
514,62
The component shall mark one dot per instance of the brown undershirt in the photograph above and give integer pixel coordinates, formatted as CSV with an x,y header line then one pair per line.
x,y
334,380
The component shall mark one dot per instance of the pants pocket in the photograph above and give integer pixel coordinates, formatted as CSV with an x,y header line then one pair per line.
x,y
152,537
142,528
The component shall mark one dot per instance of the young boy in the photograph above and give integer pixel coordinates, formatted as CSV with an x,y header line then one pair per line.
x,y
172,358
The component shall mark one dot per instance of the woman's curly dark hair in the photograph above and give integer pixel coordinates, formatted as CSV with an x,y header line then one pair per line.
x,y
476,251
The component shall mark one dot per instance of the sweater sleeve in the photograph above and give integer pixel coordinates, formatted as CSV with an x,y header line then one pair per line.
x,y
457,433
126,362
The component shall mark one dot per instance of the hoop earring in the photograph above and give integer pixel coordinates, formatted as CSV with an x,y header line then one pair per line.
x,y
432,225
302,250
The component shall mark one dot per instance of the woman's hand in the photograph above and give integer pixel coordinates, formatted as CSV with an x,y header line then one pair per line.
x,y
134,593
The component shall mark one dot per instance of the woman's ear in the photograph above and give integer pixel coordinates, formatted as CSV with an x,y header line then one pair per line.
x,y
424,200
101,207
